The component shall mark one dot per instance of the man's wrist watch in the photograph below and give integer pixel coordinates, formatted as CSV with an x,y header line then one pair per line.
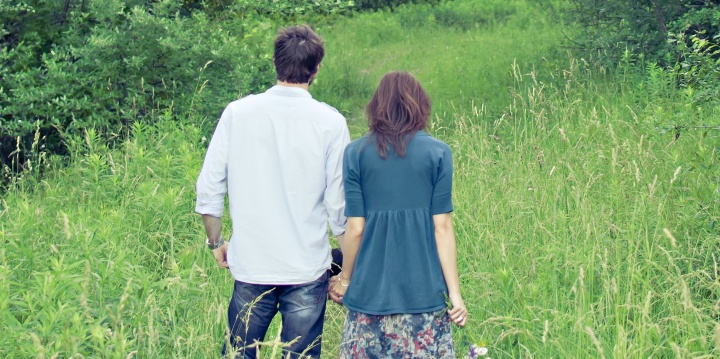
x,y
214,246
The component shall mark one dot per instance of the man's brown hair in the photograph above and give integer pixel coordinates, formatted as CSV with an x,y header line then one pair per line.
x,y
298,52
399,108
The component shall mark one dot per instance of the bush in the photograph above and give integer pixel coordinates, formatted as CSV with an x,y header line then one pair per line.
x,y
111,66
674,42
694,42
467,15
608,28
388,4
108,64
462,15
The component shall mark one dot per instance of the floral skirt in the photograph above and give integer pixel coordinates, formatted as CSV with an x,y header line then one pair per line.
x,y
423,335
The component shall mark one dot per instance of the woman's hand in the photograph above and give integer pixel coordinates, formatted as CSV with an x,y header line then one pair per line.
x,y
337,289
458,313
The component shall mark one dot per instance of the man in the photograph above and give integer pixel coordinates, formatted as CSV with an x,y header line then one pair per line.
x,y
278,157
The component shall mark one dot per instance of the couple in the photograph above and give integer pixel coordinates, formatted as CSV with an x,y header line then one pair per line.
x,y
286,164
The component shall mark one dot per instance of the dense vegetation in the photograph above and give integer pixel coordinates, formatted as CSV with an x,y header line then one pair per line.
x,y
587,190
680,36
643,25
72,65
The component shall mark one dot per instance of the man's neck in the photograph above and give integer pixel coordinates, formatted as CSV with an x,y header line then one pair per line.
x,y
304,86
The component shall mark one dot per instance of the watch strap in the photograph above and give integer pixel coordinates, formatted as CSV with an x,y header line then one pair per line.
x,y
214,246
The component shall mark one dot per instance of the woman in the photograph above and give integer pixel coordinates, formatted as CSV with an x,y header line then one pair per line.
x,y
399,258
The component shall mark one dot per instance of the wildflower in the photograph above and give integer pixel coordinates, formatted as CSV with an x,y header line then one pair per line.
x,y
476,351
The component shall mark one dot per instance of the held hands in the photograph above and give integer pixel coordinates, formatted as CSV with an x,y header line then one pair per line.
x,y
458,313
337,288
220,254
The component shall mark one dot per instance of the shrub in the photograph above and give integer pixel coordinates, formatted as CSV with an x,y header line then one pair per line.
x,y
113,65
695,43
467,14
607,28
388,4
675,43
108,64
459,14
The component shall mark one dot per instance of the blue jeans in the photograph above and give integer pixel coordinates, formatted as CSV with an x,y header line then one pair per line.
x,y
253,307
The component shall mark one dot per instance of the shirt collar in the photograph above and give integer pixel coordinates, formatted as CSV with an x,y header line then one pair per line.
x,y
280,90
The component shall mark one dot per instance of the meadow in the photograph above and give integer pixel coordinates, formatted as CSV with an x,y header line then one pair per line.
x,y
585,227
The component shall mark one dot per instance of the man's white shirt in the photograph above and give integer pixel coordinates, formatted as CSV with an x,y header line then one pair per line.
x,y
278,157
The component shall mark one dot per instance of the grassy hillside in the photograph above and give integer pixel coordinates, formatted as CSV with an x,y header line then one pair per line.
x,y
583,229
462,52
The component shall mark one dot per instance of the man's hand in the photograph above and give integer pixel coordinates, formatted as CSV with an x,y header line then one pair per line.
x,y
220,254
213,228
336,290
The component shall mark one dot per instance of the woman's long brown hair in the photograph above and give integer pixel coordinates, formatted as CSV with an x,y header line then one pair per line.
x,y
399,108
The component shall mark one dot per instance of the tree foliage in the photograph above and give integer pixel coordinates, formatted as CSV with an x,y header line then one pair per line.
x,y
609,27
680,36
69,65
695,41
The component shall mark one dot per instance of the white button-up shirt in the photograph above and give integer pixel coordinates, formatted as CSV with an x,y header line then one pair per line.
x,y
278,157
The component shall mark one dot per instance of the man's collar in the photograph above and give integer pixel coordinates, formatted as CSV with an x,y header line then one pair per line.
x,y
292,91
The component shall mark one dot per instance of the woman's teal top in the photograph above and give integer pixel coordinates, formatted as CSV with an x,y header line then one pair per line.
x,y
397,268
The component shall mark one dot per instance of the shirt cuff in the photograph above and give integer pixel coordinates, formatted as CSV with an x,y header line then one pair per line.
x,y
211,209
337,229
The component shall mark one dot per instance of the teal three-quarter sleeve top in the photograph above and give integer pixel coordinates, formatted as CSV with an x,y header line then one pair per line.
x,y
397,269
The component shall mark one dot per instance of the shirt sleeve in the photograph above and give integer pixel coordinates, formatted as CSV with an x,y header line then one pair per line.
x,y
211,186
354,203
334,197
442,190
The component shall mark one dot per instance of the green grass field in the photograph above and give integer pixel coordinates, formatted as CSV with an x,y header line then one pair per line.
x,y
583,229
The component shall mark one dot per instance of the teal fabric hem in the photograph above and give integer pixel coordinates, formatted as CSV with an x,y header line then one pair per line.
x,y
395,311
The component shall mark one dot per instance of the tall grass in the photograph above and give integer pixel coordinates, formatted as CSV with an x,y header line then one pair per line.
x,y
583,231
103,257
